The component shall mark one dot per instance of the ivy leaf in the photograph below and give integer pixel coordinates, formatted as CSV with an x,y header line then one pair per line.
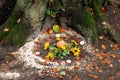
x,y
56,28
48,12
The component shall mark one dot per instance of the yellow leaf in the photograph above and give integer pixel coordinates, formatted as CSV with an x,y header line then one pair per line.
x,y
74,42
46,45
50,55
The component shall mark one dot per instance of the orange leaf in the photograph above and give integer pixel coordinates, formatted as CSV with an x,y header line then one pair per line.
x,y
115,46
54,70
103,55
76,77
93,76
61,29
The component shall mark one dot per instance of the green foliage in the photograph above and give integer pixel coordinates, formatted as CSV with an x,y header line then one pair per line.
x,y
97,7
55,7
88,24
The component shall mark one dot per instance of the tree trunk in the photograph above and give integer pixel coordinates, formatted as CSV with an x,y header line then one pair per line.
x,y
85,16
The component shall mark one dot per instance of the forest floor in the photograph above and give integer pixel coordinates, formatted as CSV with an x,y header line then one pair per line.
x,y
104,64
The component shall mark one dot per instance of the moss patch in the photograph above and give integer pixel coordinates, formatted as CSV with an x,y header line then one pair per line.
x,y
18,32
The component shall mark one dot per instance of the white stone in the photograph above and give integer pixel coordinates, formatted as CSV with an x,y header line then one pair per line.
x,y
104,23
42,60
82,42
37,53
68,61
57,35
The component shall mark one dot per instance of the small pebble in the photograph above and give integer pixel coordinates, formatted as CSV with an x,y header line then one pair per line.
x,y
104,23
57,35
101,37
114,12
82,42
42,60
18,21
68,61
111,45
6,29
37,53
111,65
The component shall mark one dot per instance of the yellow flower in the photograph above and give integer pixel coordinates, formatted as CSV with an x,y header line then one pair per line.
x,y
50,55
76,51
46,45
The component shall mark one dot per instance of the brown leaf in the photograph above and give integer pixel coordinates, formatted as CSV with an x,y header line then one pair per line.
x,y
107,61
14,54
62,29
35,49
112,55
54,70
118,73
76,77
103,46
118,60
93,76
115,46
50,31
111,78
103,55
52,76
88,69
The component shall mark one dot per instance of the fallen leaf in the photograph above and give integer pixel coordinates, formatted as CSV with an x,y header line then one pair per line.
x,y
13,53
93,76
118,60
115,46
52,76
76,77
35,49
67,36
103,55
118,73
103,46
111,78
88,69
50,31
112,55
62,29
54,70
107,61
56,28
